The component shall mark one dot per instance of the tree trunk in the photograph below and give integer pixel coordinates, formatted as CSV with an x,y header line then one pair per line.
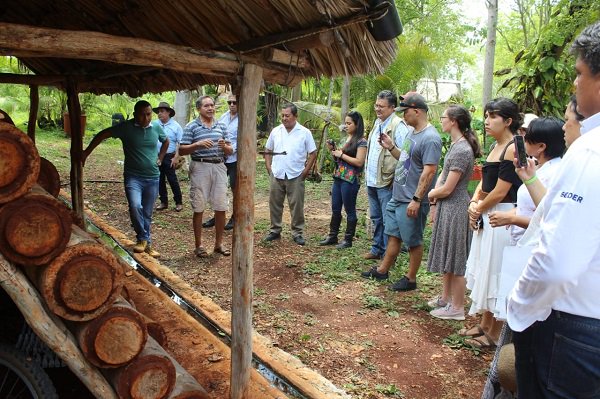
x,y
34,229
490,49
115,338
345,98
83,281
19,163
151,375
182,107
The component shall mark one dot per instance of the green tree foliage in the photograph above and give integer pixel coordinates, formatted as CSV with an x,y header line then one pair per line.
x,y
541,80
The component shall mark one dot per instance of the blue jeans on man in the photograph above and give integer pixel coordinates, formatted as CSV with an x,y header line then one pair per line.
x,y
141,193
378,199
559,357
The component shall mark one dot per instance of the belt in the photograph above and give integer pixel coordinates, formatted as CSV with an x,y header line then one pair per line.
x,y
208,160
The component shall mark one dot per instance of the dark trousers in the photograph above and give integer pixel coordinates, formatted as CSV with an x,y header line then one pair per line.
x,y
559,358
344,194
168,173
231,172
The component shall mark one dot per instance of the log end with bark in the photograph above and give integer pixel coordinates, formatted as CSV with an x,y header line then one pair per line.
x,y
34,229
19,163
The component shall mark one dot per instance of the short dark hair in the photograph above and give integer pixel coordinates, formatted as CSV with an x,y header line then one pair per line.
x,y
141,105
587,47
505,108
547,130
199,101
292,107
573,106
390,96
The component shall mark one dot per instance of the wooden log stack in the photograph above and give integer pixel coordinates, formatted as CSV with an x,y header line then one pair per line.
x,y
80,280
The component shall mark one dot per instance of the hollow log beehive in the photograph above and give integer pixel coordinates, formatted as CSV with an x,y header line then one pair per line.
x,y
19,163
34,229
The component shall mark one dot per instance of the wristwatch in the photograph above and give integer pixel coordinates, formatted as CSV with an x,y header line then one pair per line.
x,y
416,199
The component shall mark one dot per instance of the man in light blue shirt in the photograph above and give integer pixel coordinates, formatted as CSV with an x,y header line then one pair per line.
x,y
174,133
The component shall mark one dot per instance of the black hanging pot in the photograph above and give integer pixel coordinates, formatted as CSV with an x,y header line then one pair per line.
x,y
388,26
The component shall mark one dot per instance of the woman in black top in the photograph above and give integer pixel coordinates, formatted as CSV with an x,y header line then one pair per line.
x,y
497,191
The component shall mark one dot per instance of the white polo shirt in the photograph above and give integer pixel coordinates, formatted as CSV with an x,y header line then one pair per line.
x,y
563,272
297,144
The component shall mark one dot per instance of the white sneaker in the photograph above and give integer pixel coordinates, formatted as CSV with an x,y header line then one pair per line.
x,y
437,302
448,313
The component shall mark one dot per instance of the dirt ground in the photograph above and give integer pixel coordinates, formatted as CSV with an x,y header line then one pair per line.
x,y
369,341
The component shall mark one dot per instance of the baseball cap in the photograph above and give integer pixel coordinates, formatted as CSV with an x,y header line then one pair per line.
x,y
412,100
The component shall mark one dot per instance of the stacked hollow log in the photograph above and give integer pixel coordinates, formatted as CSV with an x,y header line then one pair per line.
x,y
80,279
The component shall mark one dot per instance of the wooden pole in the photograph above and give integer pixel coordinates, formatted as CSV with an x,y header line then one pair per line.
x,y
243,235
76,150
51,330
34,102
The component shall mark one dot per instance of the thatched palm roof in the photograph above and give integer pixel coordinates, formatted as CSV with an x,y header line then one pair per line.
x,y
112,46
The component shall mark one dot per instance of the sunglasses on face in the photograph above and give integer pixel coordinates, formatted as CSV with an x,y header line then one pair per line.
x,y
231,102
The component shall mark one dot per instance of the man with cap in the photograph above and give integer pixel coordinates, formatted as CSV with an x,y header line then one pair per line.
x,y
406,213
174,133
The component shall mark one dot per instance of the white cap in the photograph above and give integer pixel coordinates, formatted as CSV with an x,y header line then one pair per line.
x,y
527,118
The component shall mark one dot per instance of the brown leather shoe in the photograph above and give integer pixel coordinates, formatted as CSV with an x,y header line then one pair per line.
x,y
161,207
371,256
179,207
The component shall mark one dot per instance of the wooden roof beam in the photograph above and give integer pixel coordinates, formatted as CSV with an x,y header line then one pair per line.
x,y
28,42
38,80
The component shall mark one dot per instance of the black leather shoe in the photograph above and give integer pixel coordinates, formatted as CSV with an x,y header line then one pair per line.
x,y
272,236
209,223
404,284
299,240
329,240
373,273
229,225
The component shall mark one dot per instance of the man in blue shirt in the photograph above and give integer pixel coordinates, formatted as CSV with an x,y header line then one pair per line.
x,y
174,133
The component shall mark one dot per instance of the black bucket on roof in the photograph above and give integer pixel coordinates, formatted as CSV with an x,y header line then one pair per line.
x,y
388,26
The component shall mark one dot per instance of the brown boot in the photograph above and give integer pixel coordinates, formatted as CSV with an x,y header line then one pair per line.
x,y
140,246
151,252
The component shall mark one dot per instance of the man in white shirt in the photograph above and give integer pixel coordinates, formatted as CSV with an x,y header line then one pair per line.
x,y
291,151
554,309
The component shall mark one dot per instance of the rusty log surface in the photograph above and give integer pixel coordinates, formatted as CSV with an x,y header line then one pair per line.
x,y
151,375
51,329
19,163
114,338
34,229
49,179
83,281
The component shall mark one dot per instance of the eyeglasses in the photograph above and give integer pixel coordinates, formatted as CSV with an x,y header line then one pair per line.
x,y
231,102
377,106
442,118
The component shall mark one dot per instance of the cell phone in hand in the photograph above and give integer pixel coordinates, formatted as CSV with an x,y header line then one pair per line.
x,y
520,150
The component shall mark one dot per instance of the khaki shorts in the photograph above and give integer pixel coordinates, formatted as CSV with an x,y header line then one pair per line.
x,y
208,185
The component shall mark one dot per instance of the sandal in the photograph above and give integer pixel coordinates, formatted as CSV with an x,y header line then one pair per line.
x,y
222,251
472,332
481,342
201,252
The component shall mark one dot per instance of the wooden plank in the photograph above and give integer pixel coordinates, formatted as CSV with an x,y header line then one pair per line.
x,y
51,330
27,42
243,236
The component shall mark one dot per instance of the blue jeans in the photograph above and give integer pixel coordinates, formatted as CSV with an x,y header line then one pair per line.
x,y
559,358
344,194
378,199
141,193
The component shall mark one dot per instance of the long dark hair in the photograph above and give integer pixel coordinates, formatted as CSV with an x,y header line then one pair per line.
x,y
462,117
359,133
505,108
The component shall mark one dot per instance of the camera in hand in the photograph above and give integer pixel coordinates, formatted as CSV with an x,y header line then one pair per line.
x,y
520,150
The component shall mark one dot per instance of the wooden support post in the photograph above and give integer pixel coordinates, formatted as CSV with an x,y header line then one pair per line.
x,y
34,102
243,235
76,150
